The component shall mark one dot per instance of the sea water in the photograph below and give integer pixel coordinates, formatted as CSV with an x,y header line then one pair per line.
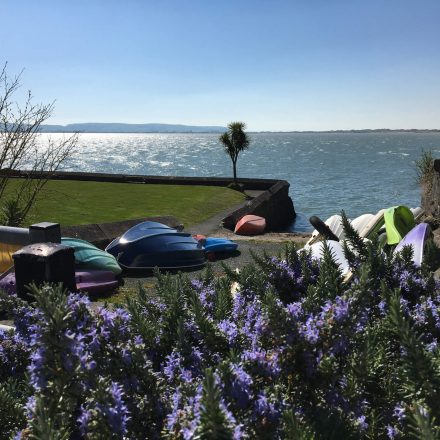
x,y
327,172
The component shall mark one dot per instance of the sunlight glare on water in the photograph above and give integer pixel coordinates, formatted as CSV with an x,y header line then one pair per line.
x,y
327,172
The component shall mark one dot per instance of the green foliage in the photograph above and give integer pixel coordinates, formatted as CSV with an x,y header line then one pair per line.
x,y
234,141
284,348
354,246
422,424
330,281
421,374
145,314
46,425
424,167
213,340
431,256
54,406
236,186
11,407
213,423
223,300
293,429
12,213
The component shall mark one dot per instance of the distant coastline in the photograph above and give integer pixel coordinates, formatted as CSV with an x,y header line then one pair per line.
x,y
92,127
366,130
98,127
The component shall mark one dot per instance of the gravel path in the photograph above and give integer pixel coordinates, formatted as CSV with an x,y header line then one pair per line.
x,y
271,243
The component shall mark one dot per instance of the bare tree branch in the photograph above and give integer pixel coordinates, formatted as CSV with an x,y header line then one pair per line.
x,y
21,146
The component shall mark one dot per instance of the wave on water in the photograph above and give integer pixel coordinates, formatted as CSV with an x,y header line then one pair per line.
x,y
327,172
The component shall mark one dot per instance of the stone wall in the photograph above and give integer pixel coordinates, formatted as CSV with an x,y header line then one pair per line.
x,y
431,193
274,204
248,184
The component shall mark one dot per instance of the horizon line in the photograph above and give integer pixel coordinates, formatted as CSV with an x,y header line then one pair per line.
x,y
350,130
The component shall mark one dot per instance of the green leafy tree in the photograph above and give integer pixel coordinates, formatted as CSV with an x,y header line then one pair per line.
x,y
235,140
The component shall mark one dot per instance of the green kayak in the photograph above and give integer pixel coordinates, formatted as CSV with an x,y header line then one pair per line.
x,y
399,220
88,256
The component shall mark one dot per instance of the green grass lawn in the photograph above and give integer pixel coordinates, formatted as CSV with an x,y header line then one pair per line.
x,y
74,202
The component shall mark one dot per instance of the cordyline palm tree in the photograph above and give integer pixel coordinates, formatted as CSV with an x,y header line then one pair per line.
x,y
235,140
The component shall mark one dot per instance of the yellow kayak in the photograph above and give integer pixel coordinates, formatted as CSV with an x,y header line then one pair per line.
x,y
6,251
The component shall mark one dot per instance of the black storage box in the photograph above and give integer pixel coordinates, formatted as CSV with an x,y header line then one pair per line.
x,y
44,262
45,232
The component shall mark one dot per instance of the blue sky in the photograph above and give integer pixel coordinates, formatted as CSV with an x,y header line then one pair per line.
x,y
275,64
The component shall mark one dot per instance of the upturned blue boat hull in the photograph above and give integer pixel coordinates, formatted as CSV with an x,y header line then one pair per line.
x,y
213,244
150,244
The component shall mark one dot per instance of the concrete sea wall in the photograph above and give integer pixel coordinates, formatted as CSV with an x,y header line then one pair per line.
x,y
274,204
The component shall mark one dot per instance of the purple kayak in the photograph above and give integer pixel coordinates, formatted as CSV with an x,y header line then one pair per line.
x,y
7,283
416,238
90,281
96,281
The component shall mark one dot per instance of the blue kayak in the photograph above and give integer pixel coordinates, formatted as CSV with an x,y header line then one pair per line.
x,y
212,244
151,244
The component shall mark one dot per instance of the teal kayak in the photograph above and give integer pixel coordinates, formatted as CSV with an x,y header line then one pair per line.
x,y
88,256
399,220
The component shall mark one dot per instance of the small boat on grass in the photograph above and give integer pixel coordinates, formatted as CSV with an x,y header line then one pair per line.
x,y
89,257
336,249
334,224
360,222
214,244
416,238
399,220
250,225
151,244
372,226
417,212
6,328
96,281
88,281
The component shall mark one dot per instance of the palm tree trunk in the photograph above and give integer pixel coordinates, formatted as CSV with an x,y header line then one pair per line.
x,y
234,168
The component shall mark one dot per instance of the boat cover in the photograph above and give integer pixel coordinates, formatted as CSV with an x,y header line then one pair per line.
x,y
90,281
151,244
214,244
416,238
336,250
88,256
399,220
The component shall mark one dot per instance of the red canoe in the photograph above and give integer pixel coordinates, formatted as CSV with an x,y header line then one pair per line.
x,y
250,225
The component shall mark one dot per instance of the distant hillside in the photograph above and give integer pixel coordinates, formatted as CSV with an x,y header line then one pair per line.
x,y
98,127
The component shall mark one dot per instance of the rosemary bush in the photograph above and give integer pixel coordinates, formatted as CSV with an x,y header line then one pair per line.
x,y
293,353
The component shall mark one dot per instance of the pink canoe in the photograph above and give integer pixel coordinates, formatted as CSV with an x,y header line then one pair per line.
x,y
250,225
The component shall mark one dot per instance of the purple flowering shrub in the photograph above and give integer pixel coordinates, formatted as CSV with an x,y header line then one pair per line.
x,y
293,352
